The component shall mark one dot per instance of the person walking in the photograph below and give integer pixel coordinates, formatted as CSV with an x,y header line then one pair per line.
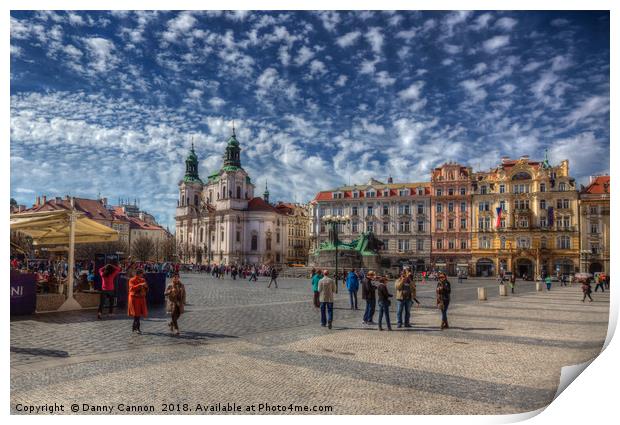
x,y
384,303
108,274
607,281
327,287
353,286
175,292
316,277
403,300
136,303
586,288
599,284
548,282
274,276
368,294
253,275
512,282
442,292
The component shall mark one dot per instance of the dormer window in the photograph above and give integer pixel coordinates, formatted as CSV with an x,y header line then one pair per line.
x,y
403,192
356,194
420,191
370,193
386,192
337,195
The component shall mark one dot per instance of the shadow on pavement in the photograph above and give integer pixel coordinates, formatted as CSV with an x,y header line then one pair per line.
x,y
189,335
39,352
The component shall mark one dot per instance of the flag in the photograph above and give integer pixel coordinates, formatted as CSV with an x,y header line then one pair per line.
x,y
550,217
499,217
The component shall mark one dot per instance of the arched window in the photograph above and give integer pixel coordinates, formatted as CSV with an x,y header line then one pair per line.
x,y
224,192
195,199
254,242
502,242
201,236
522,176
268,243
238,192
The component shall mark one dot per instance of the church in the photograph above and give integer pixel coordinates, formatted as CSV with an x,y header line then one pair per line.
x,y
221,221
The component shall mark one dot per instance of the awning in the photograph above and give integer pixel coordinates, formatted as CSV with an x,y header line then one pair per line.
x,y
52,228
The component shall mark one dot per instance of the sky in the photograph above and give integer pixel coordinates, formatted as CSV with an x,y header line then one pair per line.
x,y
107,103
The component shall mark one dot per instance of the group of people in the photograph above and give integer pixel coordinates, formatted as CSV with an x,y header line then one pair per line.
x,y
375,292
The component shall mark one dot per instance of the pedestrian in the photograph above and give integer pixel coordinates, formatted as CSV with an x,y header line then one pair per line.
x,y
460,277
108,273
443,298
607,281
513,281
403,300
599,283
563,280
587,290
274,276
353,286
91,280
316,277
383,297
136,303
253,275
176,302
548,283
327,287
368,294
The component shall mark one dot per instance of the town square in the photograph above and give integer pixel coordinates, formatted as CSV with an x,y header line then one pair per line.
x,y
306,213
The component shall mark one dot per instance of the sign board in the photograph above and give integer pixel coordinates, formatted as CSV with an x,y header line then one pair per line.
x,y
23,293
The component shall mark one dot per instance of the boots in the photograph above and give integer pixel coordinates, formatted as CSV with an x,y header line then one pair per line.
x,y
443,325
447,327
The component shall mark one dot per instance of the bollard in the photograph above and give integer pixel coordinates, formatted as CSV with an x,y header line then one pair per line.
x,y
503,290
482,294
538,286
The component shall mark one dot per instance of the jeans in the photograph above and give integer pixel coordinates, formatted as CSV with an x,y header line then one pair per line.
x,y
315,299
330,313
273,280
444,311
548,286
384,308
599,285
353,297
406,306
370,310
110,296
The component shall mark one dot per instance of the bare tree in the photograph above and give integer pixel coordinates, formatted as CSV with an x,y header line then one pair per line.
x,y
89,250
168,249
142,248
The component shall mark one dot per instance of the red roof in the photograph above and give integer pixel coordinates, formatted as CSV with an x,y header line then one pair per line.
x,y
259,204
599,186
91,207
136,223
348,194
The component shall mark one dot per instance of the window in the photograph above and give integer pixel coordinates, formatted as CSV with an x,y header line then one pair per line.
x,y
420,191
420,208
594,248
594,228
201,235
439,207
439,244
594,210
420,225
354,211
502,223
370,226
565,203
451,224
463,207
523,242
502,188
439,192
222,236
268,243
450,191
451,244
337,195
354,227
450,206
521,188
356,194
483,206
502,242
404,209
277,237
404,227
238,239
543,204
483,190
403,245
386,193
543,242
543,221
386,244
224,192
562,187
439,224
543,187
369,210
370,194
403,192
463,224
564,242
463,243
420,244
386,209
484,242
462,191
386,227
522,204
523,222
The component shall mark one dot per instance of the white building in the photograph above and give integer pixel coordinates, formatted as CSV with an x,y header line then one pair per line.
x,y
221,221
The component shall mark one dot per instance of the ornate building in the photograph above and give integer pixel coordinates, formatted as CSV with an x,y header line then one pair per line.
x,y
297,217
397,213
221,220
451,218
524,219
594,223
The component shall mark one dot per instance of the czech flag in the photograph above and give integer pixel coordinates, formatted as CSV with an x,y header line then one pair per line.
x,y
499,217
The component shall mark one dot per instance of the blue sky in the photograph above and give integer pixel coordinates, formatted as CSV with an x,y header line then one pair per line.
x,y
108,102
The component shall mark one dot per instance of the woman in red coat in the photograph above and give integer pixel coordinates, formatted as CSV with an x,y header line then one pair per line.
x,y
136,304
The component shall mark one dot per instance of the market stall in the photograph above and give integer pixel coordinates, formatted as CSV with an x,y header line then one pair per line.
x,y
63,227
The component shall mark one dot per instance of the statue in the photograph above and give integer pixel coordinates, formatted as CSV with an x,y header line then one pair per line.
x,y
366,244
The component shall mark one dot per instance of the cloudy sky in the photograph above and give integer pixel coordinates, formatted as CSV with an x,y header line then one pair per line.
x,y
107,103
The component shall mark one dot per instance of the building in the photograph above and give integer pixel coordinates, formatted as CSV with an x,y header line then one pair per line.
x,y
451,187
524,219
95,209
594,225
221,220
297,218
397,213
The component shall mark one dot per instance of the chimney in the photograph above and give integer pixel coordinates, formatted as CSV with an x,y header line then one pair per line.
x,y
44,199
592,178
38,201
505,159
66,198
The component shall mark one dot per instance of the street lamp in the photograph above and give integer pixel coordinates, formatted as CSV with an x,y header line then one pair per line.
x,y
333,221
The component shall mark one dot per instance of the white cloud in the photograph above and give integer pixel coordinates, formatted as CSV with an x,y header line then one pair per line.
x,y
453,19
179,26
101,53
375,39
216,102
348,39
532,66
452,48
329,19
482,21
474,89
75,19
581,159
342,80
560,22
371,128
412,92
304,55
368,66
506,23
407,35
383,79
561,62
317,67
409,131
594,105
480,68
495,43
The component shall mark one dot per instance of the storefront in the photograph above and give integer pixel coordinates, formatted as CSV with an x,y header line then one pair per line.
x,y
485,267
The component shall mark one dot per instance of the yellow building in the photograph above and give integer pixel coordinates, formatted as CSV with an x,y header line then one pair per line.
x,y
298,226
595,230
525,219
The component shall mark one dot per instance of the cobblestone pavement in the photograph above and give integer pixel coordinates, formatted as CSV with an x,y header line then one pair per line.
x,y
244,343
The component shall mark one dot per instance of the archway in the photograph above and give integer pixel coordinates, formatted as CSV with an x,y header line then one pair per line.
x,y
484,267
525,267
596,268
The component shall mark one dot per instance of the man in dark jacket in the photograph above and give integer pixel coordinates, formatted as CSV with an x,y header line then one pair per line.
x,y
274,276
368,294
384,302
443,298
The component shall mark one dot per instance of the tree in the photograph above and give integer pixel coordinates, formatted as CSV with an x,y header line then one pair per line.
x,y
89,250
142,248
168,249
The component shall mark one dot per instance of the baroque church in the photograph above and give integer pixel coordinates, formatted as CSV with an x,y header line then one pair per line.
x,y
221,221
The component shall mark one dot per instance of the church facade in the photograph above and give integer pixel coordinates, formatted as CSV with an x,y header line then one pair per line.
x,y
221,221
